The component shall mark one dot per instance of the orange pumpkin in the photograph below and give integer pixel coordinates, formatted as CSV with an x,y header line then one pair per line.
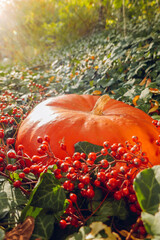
x,y
73,118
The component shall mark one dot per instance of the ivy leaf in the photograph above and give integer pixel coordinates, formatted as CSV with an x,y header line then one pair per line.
x,y
30,211
87,147
152,223
11,199
105,209
119,209
111,208
81,235
44,226
147,187
4,204
2,234
48,193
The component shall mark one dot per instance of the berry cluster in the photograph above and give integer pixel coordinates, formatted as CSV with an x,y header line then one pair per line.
x,y
156,123
14,109
112,170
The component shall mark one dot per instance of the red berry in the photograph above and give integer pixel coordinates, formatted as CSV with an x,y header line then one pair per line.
x,y
9,167
11,154
92,156
86,180
84,168
114,173
141,230
112,182
10,141
74,221
39,139
26,170
134,139
44,147
36,159
145,160
1,133
121,150
137,162
106,144
14,168
17,183
158,142
64,167
80,185
84,192
125,191
47,138
133,208
124,169
63,224
104,163
101,176
83,155
68,160
132,198
71,170
20,147
90,193
118,195
104,151
73,197
34,168
127,156
114,147
77,164
77,156
63,146
21,175
97,183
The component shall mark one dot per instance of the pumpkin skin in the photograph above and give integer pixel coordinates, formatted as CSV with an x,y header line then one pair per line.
x,y
70,118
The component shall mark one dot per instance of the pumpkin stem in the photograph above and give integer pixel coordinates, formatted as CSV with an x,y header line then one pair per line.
x,y
100,104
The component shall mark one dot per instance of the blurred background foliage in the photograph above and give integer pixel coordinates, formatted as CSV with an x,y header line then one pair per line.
x,y
31,28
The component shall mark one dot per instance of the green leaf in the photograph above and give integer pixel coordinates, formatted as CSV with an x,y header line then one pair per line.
x,y
111,208
106,209
145,94
119,209
152,223
10,199
2,234
4,204
30,211
147,187
44,226
87,147
48,193
81,235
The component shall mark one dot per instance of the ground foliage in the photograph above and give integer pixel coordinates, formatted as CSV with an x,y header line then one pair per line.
x,y
128,69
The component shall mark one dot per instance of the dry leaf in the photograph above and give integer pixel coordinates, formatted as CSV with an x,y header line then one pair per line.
x,y
96,92
143,81
148,82
51,79
154,90
155,107
21,231
135,99
96,227
124,233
